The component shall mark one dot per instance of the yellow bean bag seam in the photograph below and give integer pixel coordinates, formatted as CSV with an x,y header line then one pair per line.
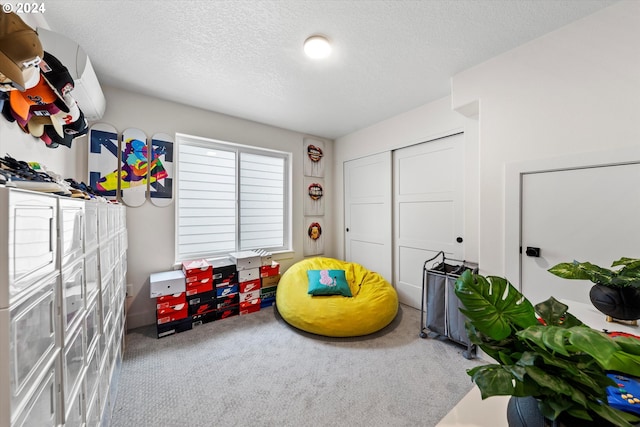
x,y
373,306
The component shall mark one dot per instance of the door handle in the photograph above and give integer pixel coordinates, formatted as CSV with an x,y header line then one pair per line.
x,y
459,239
533,252
347,229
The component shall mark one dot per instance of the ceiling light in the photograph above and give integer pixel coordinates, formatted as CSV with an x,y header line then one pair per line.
x,y
317,47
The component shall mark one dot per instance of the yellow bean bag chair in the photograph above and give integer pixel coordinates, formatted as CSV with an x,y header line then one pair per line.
x,y
373,305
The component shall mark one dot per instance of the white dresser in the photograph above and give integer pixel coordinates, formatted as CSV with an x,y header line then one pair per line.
x,y
62,292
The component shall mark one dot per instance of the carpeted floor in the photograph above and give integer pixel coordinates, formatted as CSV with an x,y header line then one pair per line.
x,y
256,370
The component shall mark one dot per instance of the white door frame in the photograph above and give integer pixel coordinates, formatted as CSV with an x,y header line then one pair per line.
x,y
513,194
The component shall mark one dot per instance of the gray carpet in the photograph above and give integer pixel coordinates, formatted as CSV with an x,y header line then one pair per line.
x,y
256,370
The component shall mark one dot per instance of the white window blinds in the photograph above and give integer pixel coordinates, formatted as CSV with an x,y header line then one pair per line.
x,y
230,198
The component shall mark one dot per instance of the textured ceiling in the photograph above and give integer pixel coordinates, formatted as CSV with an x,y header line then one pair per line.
x,y
244,58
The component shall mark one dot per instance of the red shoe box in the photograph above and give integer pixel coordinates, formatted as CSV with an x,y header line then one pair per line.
x,y
227,312
249,296
247,307
202,277
228,301
170,300
270,270
173,313
249,286
270,281
171,328
200,288
197,271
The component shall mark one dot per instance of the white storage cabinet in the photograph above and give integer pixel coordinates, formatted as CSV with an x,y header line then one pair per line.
x,y
61,328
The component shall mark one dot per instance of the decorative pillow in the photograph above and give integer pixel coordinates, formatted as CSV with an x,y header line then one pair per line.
x,y
328,282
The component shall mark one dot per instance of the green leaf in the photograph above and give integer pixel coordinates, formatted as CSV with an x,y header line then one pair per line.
x,y
492,380
618,418
493,305
628,344
595,343
555,313
569,270
556,384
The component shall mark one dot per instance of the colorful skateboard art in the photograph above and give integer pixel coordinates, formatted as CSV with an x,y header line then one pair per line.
x,y
134,167
161,171
103,160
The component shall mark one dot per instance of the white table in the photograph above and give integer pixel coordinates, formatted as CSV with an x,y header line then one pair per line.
x,y
472,411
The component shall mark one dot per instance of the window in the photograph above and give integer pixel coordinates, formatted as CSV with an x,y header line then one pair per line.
x,y
230,198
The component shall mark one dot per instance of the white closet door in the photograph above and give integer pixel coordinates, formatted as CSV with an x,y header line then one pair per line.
x,y
367,204
428,209
588,214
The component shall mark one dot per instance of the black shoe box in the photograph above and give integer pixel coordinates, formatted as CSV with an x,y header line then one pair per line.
x,y
200,319
174,327
209,296
227,312
225,274
227,301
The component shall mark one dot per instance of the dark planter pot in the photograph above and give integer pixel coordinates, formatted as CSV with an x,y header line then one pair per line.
x,y
619,303
524,412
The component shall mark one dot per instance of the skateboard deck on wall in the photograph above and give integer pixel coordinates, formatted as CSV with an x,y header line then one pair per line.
x,y
103,160
161,169
133,167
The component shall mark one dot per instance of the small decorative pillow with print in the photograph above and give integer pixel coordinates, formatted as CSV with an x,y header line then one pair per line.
x,y
328,282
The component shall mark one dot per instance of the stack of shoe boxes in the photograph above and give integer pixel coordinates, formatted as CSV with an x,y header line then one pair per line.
x,y
269,278
248,266
172,313
204,291
200,295
225,279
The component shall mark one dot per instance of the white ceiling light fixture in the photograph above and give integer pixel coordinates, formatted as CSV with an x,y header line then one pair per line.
x,y
317,47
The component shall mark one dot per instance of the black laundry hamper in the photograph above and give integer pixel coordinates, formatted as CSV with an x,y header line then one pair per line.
x,y
441,316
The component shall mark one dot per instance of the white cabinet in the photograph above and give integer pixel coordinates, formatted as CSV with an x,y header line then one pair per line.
x,y
61,308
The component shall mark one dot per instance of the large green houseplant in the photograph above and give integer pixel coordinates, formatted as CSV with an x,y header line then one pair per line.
x,y
544,352
615,293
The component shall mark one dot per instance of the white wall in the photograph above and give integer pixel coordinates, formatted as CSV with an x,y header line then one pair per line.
x,y
572,91
151,229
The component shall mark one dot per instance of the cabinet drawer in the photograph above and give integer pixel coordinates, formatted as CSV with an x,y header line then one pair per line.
x,y
40,409
31,244
71,229
93,371
93,410
106,258
91,275
72,296
74,416
73,364
91,226
92,324
32,338
103,222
